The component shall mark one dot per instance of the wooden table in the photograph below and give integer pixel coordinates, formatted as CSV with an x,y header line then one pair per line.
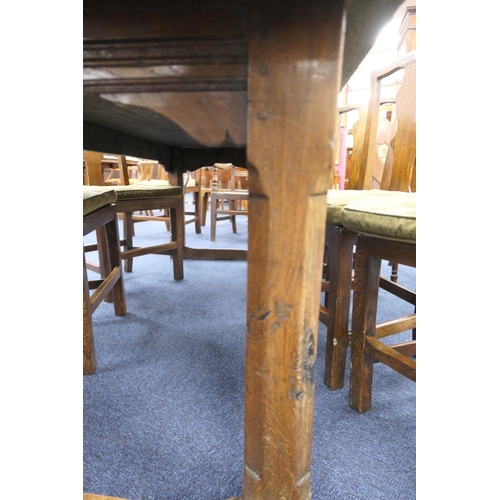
x,y
253,83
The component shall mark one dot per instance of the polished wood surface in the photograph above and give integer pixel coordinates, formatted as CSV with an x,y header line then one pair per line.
x,y
294,76
254,84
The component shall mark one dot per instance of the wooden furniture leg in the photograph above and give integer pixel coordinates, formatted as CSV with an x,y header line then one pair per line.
x,y
89,359
294,69
340,247
128,233
364,318
93,164
111,284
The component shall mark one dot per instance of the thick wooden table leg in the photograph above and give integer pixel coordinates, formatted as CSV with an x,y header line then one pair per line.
x,y
294,65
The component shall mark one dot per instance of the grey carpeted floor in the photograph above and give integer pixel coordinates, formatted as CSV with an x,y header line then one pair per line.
x,y
163,414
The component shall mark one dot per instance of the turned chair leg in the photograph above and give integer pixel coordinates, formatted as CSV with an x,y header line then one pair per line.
x,y
394,272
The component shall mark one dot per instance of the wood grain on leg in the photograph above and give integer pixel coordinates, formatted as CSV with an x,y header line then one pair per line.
x,y
294,70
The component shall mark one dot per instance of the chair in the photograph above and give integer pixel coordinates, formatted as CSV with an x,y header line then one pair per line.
x,y
153,173
205,175
399,169
99,215
145,196
226,204
386,229
141,196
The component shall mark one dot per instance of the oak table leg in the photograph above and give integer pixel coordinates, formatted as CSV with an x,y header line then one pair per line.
x,y
294,69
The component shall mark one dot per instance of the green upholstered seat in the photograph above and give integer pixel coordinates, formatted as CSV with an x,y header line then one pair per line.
x,y
142,191
139,191
95,197
388,218
337,199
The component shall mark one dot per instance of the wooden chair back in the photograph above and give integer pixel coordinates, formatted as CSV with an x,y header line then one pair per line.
x,y
226,203
353,160
399,171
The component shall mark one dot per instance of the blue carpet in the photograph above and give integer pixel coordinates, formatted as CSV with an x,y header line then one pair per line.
x,y
163,414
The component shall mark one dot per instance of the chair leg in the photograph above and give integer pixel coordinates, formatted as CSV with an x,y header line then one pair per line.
x,y
394,272
197,211
115,261
167,219
103,255
177,234
340,244
203,209
111,284
213,217
128,231
232,206
364,318
89,360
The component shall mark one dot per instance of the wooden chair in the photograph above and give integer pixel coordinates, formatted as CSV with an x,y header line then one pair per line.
x,y
227,203
149,172
145,196
99,215
152,173
141,197
206,174
339,241
386,229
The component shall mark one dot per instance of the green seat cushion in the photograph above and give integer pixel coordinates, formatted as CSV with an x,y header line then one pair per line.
x,y
146,190
95,197
387,218
337,199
